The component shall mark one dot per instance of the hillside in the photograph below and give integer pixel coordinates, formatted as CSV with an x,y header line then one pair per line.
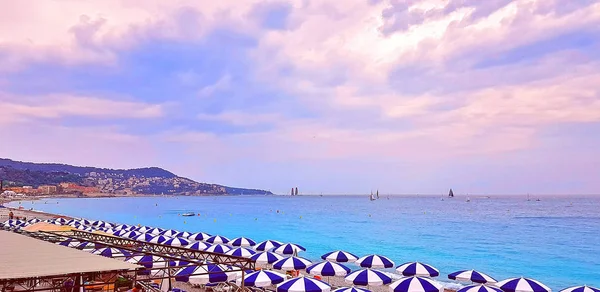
x,y
148,181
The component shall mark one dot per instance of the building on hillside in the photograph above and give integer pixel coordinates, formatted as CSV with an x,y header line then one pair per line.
x,y
47,189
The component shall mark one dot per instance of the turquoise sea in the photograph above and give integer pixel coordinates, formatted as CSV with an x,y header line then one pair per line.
x,y
555,240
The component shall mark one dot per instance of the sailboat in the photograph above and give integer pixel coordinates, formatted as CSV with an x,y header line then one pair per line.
x,y
451,194
377,194
292,192
296,192
371,197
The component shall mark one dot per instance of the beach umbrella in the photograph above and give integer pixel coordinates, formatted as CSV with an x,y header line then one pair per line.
x,y
198,245
33,221
120,232
368,277
303,284
75,224
339,256
351,289
328,269
145,237
262,279
112,252
471,276
204,274
481,288
218,248
177,242
178,263
97,222
102,224
60,221
183,234
291,263
169,232
242,241
522,285
148,262
267,245
143,229
155,231
417,269
289,248
199,236
375,261
416,284
159,239
241,252
69,242
216,239
265,257
86,228
580,289
86,245
83,221
130,234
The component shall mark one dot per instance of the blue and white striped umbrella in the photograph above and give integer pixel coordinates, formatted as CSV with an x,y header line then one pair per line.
x,y
374,262
84,221
89,246
351,289
471,276
145,237
178,263
266,257
217,239
242,241
130,234
102,224
69,242
143,229
199,236
97,222
75,224
169,232
417,269
218,248
198,245
303,284
120,226
149,262
160,239
368,277
183,234
522,285
177,241
267,245
241,252
328,269
120,233
112,252
34,220
262,279
289,248
580,289
86,228
339,256
155,231
60,221
291,263
416,284
204,274
480,288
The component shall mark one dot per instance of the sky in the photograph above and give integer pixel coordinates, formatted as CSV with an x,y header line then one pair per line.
x,y
335,97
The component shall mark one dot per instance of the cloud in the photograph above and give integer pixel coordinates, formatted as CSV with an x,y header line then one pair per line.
x,y
408,89
58,106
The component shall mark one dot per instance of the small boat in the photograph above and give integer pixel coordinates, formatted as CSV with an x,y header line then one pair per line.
x,y
468,199
371,197
451,194
188,214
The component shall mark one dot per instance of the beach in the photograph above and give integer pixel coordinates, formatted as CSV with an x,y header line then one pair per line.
x,y
450,235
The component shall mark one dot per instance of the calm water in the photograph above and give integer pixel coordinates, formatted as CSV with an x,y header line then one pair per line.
x,y
556,241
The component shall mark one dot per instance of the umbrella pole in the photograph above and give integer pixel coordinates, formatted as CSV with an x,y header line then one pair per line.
x,y
243,276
